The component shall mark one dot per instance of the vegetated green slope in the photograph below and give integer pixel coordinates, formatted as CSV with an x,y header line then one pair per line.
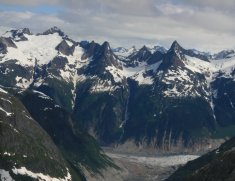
x,y
79,148
25,144
214,166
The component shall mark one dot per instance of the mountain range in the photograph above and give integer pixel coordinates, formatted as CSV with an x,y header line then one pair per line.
x,y
176,99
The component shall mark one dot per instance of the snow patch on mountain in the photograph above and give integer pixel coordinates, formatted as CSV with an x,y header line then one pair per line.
x,y
225,66
198,65
6,100
42,95
38,49
8,114
103,86
138,73
183,83
74,62
122,53
3,91
4,175
142,79
22,82
40,176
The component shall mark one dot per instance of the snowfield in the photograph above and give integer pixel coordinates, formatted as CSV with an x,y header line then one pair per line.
x,y
38,48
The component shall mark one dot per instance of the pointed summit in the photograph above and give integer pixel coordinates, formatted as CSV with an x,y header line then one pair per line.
x,y
106,46
175,46
144,49
173,58
142,55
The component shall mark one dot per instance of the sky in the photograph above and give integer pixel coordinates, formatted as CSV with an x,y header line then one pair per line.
x,y
206,25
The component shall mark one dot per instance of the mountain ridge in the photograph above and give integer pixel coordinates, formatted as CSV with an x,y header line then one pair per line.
x,y
89,78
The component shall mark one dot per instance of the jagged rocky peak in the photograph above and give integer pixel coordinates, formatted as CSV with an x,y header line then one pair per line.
x,y
144,50
107,55
66,47
181,52
176,46
105,49
174,57
102,56
106,46
53,30
142,55
157,56
84,43
18,34
91,49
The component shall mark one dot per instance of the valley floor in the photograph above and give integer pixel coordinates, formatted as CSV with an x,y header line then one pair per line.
x,y
142,167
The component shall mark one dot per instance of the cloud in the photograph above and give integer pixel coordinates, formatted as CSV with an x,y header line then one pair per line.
x,y
172,9
29,2
34,21
196,24
213,4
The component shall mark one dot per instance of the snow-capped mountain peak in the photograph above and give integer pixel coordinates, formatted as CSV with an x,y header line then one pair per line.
x,y
53,30
18,34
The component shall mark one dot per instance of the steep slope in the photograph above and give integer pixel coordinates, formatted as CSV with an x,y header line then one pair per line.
x,y
49,91
177,106
27,151
50,68
181,109
79,148
216,165
101,94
